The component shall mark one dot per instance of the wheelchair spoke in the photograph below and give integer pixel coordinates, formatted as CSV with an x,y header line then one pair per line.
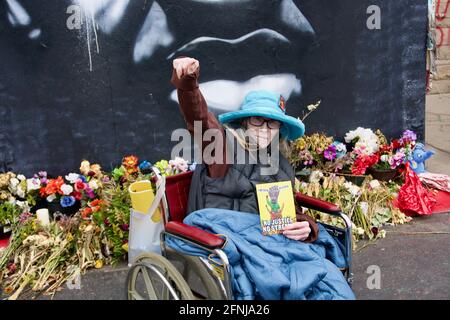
x,y
149,284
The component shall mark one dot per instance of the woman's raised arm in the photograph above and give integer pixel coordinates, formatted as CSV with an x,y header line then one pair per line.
x,y
193,106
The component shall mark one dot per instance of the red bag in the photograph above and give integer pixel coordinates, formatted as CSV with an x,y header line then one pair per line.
x,y
413,197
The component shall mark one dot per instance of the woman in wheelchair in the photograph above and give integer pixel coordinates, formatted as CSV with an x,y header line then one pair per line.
x,y
222,197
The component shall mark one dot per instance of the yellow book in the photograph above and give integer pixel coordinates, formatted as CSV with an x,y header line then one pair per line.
x,y
276,206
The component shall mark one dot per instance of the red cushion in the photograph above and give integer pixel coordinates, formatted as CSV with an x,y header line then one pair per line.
x,y
194,234
316,204
4,243
177,194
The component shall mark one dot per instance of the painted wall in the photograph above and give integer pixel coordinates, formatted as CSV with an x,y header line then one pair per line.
x,y
90,78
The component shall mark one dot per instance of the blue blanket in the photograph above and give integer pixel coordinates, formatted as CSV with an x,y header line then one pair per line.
x,y
271,267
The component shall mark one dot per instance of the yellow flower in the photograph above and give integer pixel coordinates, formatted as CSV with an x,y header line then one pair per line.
x,y
8,290
85,167
69,237
125,247
98,264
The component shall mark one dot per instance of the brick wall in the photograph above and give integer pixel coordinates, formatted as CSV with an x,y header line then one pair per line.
x,y
441,81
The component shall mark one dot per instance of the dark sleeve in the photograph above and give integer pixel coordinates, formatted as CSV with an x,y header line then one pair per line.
x,y
194,108
312,224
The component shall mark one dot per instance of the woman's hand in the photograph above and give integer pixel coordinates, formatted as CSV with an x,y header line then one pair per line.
x,y
297,231
185,66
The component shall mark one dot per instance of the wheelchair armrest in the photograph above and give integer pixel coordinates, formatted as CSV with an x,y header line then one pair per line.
x,y
194,234
4,243
317,204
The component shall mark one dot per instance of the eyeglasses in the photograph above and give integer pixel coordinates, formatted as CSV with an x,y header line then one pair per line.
x,y
259,121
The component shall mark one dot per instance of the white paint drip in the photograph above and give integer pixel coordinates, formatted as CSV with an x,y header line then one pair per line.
x,y
88,41
17,15
34,34
269,33
226,95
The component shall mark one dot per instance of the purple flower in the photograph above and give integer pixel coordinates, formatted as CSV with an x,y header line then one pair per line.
x,y
374,231
43,174
124,227
67,201
408,136
90,193
330,153
397,159
24,217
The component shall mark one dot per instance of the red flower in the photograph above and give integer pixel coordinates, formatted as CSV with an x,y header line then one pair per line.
x,y
95,203
374,231
80,185
396,144
77,195
363,162
385,149
86,213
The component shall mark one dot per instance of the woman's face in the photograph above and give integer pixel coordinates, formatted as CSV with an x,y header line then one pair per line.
x,y
262,130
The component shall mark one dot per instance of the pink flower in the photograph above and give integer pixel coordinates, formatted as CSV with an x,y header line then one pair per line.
x,y
80,185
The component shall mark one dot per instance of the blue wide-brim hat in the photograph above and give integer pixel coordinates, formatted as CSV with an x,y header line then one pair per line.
x,y
269,105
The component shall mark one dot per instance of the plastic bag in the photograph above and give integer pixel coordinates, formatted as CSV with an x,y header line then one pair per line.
x,y
145,228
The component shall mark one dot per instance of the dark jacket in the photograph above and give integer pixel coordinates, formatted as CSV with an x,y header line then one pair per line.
x,y
221,185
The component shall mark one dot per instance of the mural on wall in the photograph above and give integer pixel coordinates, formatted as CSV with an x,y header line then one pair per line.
x,y
94,74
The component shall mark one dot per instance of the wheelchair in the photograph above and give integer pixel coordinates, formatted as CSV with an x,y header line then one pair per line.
x,y
175,276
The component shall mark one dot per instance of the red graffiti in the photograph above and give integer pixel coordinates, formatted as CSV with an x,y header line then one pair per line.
x,y
442,32
442,36
439,16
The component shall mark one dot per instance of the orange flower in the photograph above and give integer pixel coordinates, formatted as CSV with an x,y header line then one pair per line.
x,y
95,203
130,162
86,213
53,186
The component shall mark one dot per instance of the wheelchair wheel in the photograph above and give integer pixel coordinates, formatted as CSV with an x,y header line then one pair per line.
x,y
153,277
202,283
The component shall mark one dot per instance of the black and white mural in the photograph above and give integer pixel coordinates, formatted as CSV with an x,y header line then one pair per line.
x,y
91,78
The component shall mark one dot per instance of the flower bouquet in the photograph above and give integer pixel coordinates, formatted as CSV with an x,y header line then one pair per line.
x,y
393,156
67,195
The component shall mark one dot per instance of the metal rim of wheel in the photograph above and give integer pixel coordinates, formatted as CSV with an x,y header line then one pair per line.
x,y
153,266
195,266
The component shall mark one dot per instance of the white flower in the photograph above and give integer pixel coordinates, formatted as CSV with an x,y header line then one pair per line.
x,y
20,192
315,176
66,189
33,184
21,177
367,140
179,164
360,231
364,207
13,183
353,189
340,147
51,197
384,158
23,205
374,184
72,177
93,184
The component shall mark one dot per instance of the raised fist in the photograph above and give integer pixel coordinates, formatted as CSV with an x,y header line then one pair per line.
x,y
185,66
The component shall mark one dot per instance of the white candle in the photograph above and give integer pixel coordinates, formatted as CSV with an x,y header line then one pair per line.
x,y
43,216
